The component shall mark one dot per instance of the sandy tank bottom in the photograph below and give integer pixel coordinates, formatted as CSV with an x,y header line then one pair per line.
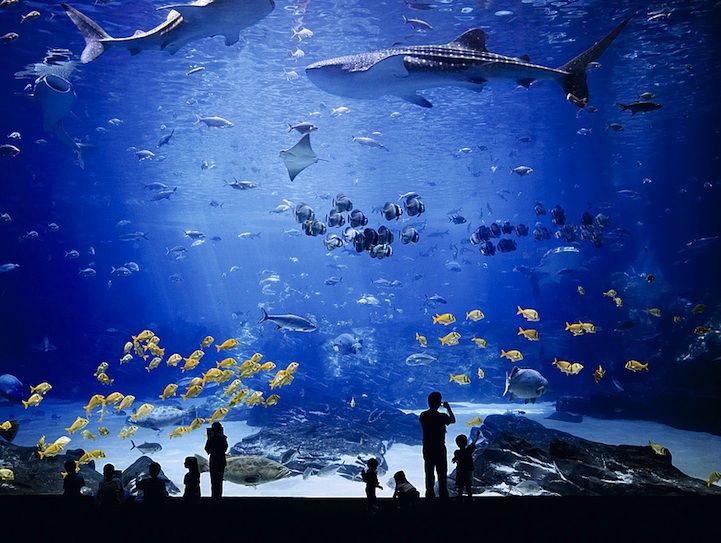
x,y
694,453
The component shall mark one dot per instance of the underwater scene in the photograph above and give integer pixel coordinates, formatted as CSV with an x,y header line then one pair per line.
x,y
301,217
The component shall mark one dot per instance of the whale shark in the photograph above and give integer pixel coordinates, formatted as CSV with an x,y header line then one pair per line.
x,y
184,24
405,70
56,97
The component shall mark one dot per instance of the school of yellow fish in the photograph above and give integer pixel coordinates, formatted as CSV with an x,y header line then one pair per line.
x,y
142,346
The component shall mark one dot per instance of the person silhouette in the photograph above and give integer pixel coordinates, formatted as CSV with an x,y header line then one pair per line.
x,y
191,495
110,489
153,487
215,446
73,481
405,492
370,478
463,459
434,444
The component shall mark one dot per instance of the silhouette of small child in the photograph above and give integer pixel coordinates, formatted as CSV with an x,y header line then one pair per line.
x,y
153,487
191,481
463,458
370,478
405,492
73,481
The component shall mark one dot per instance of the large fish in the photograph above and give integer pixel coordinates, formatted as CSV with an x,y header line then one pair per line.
x,y
465,62
293,323
163,416
11,388
248,470
184,24
526,384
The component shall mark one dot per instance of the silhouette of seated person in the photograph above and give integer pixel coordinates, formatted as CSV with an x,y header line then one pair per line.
x,y
191,494
110,489
405,493
153,488
434,444
215,446
73,481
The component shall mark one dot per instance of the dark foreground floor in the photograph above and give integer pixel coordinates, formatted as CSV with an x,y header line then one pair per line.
x,y
280,520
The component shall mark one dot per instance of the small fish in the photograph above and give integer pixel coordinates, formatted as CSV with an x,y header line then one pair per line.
x,y
195,70
598,374
701,330
522,170
636,366
214,122
422,340
654,311
530,315
698,309
352,402
227,345
658,448
713,478
512,355
530,334
461,379
29,16
445,319
475,315
581,290
417,24
481,374
450,339
480,342
475,422
618,301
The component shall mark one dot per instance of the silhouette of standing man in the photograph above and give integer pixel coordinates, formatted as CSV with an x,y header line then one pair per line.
x,y
434,444
216,446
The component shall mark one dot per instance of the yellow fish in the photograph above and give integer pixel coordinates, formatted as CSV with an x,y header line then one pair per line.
x,y
677,319
174,359
192,392
127,431
96,454
588,327
610,293
207,341
128,347
179,431
105,380
257,357
575,329
227,344
248,369
6,474
196,423
563,365
530,334
352,402
267,366
103,431
658,448
461,379
232,387
142,412
218,414
211,375
227,363
479,341
290,370
576,368
475,422
701,330
654,311
169,391
154,363
254,399
95,401
512,355
226,375
635,365
42,388
481,373
475,315
618,301
237,398
87,434
79,424
581,290
197,354
530,315
698,309
33,400
114,398
157,351
599,374
273,399
450,339
190,363
445,319
54,449
145,335
125,403
196,382
422,340
41,443
6,425
714,478
102,368
127,358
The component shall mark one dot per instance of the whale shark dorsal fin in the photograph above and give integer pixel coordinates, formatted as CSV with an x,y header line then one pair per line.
x,y
475,38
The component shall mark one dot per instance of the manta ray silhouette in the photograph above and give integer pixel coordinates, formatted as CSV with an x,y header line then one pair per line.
x,y
299,157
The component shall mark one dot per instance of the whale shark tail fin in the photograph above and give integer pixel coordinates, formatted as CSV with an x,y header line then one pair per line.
x,y
91,31
575,84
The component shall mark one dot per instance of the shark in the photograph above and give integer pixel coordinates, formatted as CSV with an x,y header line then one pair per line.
x,y
185,23
466,62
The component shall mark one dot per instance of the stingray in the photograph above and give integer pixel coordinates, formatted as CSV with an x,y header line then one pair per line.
x,y
299,157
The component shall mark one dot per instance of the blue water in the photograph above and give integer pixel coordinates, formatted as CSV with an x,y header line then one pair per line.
x,y
657,182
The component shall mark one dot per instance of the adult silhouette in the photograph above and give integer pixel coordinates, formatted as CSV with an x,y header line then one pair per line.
x,y
434,444
215,446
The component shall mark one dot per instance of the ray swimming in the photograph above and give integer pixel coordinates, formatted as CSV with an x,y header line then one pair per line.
x,y
299,157
465,62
